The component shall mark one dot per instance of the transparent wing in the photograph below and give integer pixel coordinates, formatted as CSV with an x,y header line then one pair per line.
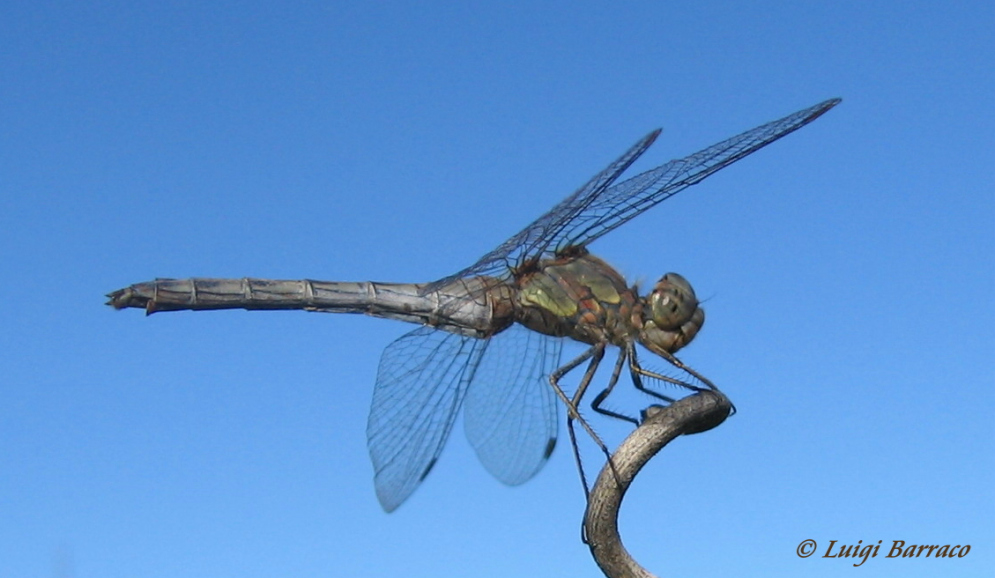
x,y
510,415
618,204
532,240
598,208
421,382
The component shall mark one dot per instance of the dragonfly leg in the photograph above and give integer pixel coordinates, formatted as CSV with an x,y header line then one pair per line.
x,y
636,372
680,365
595,354
600,398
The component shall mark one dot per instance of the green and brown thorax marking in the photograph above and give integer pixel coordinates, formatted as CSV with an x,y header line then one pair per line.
x,y
580,296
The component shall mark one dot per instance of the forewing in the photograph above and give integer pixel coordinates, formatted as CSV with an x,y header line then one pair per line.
x,y
421,382
618,204
534,239
599,207
510,416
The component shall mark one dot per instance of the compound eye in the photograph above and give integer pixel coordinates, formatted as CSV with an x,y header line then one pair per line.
x,y
672,302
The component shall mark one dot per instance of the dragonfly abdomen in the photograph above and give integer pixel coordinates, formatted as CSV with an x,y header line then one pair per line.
x,y
465,307
208,294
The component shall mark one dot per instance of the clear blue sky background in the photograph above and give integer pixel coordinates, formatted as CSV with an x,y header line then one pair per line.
x,y
849,271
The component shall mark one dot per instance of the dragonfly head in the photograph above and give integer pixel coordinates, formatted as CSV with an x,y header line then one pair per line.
x,y
671,315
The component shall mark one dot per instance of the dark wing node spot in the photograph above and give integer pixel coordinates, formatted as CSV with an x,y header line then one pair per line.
x,y
428,469
550,446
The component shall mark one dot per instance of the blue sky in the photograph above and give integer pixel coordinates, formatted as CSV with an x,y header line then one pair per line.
x,y
848,273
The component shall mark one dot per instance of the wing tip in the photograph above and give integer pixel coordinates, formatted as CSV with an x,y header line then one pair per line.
x,y
822,108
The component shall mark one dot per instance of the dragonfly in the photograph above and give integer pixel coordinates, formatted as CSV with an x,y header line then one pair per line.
x,y
490,336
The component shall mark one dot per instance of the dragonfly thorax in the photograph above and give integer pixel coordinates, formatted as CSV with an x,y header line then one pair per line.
x,y
579,296
672,316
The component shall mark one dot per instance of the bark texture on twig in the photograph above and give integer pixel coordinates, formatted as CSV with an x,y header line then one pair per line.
x,y
693,414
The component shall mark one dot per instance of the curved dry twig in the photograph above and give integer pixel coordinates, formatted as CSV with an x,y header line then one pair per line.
x,y
693,414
